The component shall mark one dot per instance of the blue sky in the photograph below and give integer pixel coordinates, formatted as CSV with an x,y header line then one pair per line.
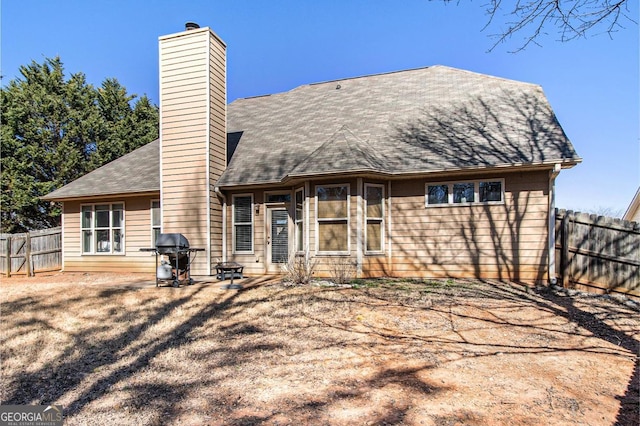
x,y
273,46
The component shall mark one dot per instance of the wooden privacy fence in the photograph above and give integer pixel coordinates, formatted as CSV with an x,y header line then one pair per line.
x,y
597,253
31,252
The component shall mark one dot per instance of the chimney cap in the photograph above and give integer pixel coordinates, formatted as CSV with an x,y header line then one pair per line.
x,y
191,26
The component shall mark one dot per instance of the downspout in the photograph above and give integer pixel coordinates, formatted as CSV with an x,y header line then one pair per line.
x,y
208,162
62,224
359,224
553,174
307,221
224,221
389,232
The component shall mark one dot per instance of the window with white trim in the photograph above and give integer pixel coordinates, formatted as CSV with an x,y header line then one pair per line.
x,y
332,213
374,218
243,223
102,228
156,221
486,191
299,219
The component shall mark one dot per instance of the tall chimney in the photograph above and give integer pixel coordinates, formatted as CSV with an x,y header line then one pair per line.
x,y
193,138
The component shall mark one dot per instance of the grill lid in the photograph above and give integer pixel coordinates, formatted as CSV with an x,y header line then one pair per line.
x,y
177,241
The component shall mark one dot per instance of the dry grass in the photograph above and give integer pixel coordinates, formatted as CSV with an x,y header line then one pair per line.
x,y
433,353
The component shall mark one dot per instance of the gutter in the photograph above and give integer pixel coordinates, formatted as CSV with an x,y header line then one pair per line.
x,y
290,179
553,174
223,197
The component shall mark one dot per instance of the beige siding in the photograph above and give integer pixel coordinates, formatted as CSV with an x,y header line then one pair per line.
x,y
193,138
217,122
138,234
255,263
504,241
325,263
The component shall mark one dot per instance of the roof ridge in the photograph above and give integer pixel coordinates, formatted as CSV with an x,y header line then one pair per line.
x,y
338,80
435,67
368,75
490,76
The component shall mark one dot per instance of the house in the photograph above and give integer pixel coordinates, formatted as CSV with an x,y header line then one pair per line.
x,y
633,211
430,172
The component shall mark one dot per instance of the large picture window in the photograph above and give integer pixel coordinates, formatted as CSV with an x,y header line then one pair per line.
x,y
332,213
489,191
299,219
374,233
243,223
102,227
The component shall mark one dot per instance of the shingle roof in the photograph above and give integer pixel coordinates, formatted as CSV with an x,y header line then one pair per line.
x,y
135,172
342,152
415,121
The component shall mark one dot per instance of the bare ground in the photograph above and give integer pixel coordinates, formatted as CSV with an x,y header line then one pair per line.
x,y
114,349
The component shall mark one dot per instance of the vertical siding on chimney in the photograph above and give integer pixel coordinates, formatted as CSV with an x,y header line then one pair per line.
x,y
217,139
192,134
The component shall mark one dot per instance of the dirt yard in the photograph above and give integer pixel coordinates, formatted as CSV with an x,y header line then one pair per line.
x,y
114,349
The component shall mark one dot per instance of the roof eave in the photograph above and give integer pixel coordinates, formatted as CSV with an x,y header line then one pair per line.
x,y
291,178
52,197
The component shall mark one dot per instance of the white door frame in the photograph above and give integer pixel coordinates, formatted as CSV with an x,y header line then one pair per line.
x,y
270,266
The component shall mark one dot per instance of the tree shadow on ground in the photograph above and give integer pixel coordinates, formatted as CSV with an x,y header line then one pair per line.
x,y
566,307
239,332
88,355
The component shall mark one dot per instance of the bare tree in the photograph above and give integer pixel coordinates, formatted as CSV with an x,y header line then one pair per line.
x,y
571,18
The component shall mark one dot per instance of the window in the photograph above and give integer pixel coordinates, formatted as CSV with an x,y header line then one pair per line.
x,y
374,199
437,194
243,223
333,218
299,219
156,221
490,191
278,198
102,228
465,193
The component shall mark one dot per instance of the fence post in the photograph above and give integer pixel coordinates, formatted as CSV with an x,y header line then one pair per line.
x,y
564,238
8,255
27,255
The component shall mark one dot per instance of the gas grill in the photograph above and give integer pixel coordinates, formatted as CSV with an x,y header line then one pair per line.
x,y
179,257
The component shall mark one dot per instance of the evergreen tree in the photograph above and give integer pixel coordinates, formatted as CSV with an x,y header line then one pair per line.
x,y
53,131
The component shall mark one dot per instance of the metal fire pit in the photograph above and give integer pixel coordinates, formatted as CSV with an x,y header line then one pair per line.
x,y
179,256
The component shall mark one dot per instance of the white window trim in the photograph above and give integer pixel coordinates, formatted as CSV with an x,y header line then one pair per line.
x,y
381,219
233,223
153,243
93,251
297,220
476,193
348,219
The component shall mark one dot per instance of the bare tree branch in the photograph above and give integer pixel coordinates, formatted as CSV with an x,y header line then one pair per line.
x,y
571,19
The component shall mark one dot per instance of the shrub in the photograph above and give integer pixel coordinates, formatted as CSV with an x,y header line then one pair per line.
x,y
299,269
342,270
